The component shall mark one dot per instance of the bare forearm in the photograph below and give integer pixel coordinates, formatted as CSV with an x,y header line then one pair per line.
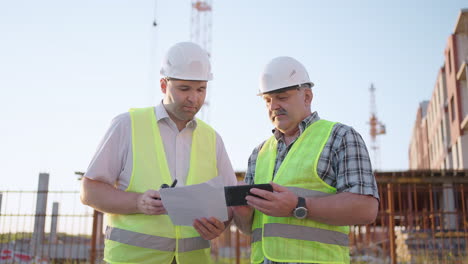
x,y
105,198
230,218
343,209
244,222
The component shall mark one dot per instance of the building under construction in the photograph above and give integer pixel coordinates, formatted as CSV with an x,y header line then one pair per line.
x,y
440,132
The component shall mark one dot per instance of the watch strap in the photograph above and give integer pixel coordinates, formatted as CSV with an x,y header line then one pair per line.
x,y
301,202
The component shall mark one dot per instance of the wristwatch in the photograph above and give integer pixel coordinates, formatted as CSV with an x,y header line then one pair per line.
x,y
300,212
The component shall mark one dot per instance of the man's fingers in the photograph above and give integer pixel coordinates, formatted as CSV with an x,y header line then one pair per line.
x,y
148,204
157,207
255,201
218,224
263,193
158,210
208,229
260,208
264,206
161,211
209,225
154,202
201,229
278,188
153,194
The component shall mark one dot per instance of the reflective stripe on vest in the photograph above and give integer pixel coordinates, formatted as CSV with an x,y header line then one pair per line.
x,y
139,238
301,233
256,235
155,242
287,239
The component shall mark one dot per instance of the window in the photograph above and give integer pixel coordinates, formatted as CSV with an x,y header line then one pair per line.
x,y
452,108
442,134
449,61
455,155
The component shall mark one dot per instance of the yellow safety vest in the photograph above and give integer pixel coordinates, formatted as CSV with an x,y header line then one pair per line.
x,y
140,238
287,239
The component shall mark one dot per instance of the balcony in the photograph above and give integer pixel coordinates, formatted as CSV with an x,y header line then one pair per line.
x,y
464,124
462,80
461,74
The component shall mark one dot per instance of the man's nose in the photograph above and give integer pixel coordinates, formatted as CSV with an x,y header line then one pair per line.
x,y
192,96
273,105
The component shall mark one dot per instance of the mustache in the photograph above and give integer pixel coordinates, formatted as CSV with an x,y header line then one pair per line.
x,y
278,112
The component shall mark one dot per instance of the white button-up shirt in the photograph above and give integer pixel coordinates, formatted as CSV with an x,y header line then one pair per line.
x,y
113,161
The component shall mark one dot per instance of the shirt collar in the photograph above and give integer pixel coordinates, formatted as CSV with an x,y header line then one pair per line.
x,y
161,114
303,125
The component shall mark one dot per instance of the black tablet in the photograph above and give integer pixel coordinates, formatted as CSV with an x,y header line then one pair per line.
x,y
235,195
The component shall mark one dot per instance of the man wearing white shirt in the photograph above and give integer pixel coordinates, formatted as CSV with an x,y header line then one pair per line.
x,y
145,148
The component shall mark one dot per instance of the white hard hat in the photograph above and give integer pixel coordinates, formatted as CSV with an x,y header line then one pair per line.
x,y
187,61
282,72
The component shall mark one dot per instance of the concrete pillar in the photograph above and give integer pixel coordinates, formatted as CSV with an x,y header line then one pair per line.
x,y
100,235
448,205
463,149
39,219
53,223
97,238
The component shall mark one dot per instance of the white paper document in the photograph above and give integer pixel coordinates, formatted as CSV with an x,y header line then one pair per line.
x,y
187,203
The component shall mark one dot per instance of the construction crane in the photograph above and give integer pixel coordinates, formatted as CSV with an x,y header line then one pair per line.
x,y
200,33
200,30
376,128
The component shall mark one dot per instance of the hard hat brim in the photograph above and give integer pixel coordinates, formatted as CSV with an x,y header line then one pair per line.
x,y
283,89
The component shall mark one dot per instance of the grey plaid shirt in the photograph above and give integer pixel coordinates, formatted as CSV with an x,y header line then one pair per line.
x,y
344,162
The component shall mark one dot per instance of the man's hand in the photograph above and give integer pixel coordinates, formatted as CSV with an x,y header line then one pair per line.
x,y
242,211
150,203
243,215
281,202
208,228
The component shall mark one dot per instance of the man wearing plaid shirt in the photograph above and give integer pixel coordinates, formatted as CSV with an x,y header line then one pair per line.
x,y
321,175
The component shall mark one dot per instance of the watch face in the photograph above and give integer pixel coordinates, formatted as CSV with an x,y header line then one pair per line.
x,y
300,212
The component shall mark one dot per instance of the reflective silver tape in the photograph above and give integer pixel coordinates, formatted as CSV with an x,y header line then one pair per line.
x,y
306,233
155,242
256,235
193,243
307,193
140,239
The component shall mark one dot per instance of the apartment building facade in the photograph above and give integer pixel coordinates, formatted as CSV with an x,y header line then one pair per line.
x,y
440,133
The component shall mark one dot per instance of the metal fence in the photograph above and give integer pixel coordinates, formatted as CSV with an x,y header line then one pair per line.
x,y
64,236
44,226
422,219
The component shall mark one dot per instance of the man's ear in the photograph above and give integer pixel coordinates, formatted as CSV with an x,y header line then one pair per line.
x,y
308,96
163,83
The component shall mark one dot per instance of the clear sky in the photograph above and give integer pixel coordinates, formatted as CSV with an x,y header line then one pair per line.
x,y
68,67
